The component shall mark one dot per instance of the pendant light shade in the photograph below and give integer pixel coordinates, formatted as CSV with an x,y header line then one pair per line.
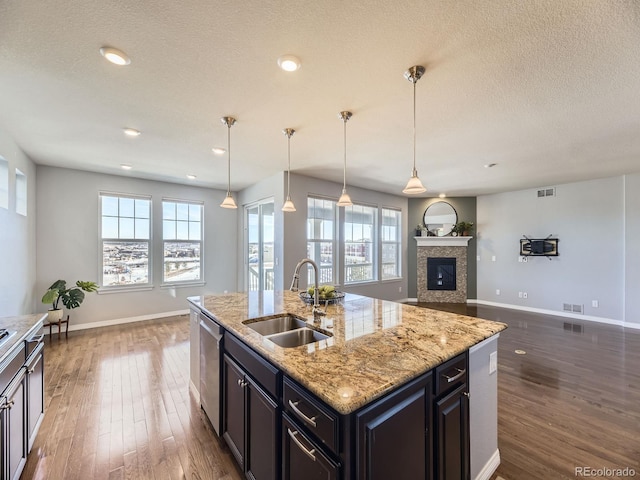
x,y
345,199
228,202
414,185
288,204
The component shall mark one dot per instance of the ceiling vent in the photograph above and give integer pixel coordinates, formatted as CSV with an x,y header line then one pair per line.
x,y
547,192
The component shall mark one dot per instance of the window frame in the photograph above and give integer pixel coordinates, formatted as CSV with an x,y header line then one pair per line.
x,y
335,241
148,285
375,244
200,242
397,242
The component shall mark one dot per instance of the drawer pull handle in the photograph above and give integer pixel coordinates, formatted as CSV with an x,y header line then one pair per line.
x,y
8,405
311,421
460,373
241,383
31,370
310,453
37,339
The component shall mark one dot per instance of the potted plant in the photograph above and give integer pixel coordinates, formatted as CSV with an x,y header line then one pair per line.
x,y
463,228
71,297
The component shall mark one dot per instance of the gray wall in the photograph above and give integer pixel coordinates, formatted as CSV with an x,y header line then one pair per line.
x,y
466,210
292,227
17,237
632,248
589,220
68,246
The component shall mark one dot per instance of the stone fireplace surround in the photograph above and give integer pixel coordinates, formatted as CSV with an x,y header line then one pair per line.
x,y
455,247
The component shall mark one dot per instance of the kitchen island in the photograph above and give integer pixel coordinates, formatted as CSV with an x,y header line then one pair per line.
x,y
386,393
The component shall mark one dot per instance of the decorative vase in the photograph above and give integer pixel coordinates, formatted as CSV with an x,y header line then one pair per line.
x,y
54,316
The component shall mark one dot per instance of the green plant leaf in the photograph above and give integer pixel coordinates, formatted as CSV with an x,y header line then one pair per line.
x,y
87,286
73,298
59,285
50,296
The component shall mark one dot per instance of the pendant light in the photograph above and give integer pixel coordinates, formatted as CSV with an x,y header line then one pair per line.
x,y
345,199
414,185
228,202
288,204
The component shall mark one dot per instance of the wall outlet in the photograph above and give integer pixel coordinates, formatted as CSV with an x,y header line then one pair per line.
x,y
493,258
478,258
519,294
520,259
525,295
400,289
595,303
493,362
497,291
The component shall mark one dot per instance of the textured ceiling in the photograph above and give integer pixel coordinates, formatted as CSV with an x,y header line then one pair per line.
x,y
549,90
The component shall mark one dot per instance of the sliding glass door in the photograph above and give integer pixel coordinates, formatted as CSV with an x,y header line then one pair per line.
x,y
259,236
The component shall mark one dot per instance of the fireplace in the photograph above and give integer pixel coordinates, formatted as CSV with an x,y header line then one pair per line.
x,y
448,282
441,273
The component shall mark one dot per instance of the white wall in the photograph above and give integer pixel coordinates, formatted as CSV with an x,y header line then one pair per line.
x,y
589,220
291,228
632,249
68,245
17,237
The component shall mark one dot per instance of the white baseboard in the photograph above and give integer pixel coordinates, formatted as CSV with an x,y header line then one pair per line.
x,y
194,392
557,313
407,300
120,321
490,467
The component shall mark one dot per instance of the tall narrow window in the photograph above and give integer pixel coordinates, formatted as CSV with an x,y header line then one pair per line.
x,y
126,236
4,183
360,244
259,244
321,238
21,193
182,237
390,243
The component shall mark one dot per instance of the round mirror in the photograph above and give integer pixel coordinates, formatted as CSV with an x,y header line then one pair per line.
x,y
440,218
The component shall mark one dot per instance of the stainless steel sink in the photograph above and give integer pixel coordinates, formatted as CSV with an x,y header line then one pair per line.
x,y
286,330
276,324
295,338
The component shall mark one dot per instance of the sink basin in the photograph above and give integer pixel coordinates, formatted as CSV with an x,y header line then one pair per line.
x,y
286,330
276,325
295,338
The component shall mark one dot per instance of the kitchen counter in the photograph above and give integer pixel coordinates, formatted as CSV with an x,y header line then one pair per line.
x,y
23,325
377,345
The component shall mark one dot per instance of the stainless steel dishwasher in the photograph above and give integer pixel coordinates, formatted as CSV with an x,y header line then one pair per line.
x,y
210,338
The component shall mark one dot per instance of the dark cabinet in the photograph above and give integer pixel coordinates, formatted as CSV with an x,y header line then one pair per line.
x,y
12,418
452,421
301,458
394,434
35,393
250,423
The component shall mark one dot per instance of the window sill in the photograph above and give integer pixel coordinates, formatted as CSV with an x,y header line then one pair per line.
x,y
185,284
110,290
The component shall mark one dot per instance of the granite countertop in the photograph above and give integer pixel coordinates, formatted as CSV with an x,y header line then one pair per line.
x,y
22,325
377,345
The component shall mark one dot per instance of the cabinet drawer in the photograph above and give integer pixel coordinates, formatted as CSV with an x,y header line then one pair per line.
x,y
315,418
262,371
11,366
451,374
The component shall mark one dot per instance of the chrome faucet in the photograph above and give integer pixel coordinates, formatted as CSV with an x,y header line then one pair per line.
x,y
317,311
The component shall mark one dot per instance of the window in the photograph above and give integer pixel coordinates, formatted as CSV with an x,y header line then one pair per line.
x,y
21,193
321,238
360,244
125,231
182,241
4,183
390,243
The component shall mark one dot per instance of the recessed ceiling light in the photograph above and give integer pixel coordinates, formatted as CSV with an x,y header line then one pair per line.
x,y
124,166
442,195
289,63
115,56
131,132
191,176
218,150
490,165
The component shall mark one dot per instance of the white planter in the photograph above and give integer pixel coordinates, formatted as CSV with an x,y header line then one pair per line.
x,y
54,316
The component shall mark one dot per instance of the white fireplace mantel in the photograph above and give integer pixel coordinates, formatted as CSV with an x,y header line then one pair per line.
x,y
442,241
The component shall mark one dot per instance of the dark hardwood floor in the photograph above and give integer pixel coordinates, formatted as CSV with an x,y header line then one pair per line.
x,y
118,403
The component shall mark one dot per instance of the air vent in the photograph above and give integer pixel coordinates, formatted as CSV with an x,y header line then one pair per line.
x,y
546,192
567,307
571,307
577,308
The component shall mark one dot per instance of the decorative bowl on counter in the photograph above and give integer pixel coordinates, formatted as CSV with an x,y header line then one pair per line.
x,y
337,296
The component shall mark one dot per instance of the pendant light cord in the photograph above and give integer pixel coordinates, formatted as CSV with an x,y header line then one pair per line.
x,y
344,171
289,166
414,127
229,159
